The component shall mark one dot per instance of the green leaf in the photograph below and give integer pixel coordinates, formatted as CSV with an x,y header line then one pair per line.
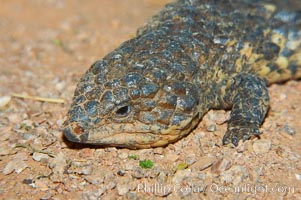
x,y
132,157
182,166
146,164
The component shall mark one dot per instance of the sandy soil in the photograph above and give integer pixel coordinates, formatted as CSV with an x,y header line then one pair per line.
x,y
45,46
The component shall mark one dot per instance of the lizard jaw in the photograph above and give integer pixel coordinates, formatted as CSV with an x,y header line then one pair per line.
x,y
131,140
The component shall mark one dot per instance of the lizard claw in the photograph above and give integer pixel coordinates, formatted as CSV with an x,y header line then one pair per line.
x,y
235,134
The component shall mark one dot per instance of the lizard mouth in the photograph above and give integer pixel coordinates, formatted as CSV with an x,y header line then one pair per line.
x,y
131,140
132,135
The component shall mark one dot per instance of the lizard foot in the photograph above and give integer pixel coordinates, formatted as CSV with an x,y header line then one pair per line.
x,y
235,134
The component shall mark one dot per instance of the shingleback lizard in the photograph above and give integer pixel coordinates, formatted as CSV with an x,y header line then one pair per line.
x,y
193,56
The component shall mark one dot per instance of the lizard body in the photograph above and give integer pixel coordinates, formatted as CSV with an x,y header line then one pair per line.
x,y
193,56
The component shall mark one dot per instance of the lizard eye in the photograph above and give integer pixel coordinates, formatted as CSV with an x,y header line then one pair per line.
x,y
123,111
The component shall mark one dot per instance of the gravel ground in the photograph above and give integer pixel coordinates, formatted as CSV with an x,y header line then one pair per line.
x,y
45,46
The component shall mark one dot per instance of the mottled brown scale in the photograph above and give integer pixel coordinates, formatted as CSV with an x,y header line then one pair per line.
x,y
193,56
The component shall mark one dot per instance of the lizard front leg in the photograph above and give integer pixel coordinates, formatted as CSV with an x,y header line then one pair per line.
x,y
249,96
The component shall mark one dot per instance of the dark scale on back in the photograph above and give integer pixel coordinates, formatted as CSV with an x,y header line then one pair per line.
x,y
195,55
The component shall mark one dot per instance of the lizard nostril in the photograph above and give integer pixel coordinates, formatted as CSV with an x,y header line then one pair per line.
x,y
78,130
69,134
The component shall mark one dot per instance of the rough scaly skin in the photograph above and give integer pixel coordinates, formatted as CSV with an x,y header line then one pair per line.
x,y
193,56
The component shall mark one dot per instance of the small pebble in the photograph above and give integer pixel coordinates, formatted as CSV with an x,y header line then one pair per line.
x,y
14,165
42,185
122,188
158,150
86,170
211,128
60,86
234,175
121,173
298,177
262,146
95,194
123,155
14,118
282,96
5,149
131,195
288,130
190,156
46,196
39,156
110,149
4,100
17,164
173,157
27,181
110,185
202,163
58,165
155,171
221,165
94,179
180,175
139,173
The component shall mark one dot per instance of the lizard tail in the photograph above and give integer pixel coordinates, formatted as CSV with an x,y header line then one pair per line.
x,y
288,63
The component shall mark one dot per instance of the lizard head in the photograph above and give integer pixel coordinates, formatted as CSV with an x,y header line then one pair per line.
x,y
119,102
